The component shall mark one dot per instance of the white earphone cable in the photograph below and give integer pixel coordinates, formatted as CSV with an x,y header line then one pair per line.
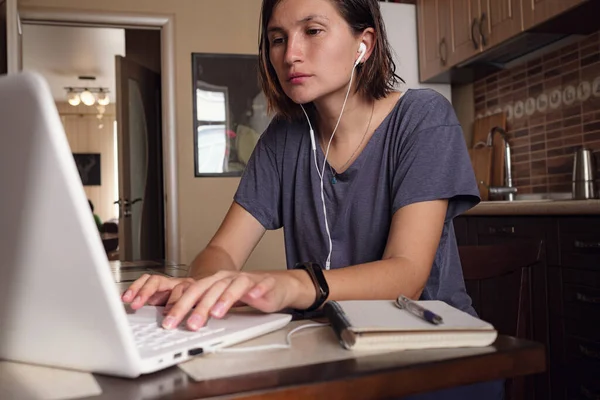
x,y
312,140
287,345
321,171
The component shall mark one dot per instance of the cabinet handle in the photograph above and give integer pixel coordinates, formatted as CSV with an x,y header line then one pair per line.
x,y
509,230
587,299
483,39
586,245
474,34
595,354
442,55
588,394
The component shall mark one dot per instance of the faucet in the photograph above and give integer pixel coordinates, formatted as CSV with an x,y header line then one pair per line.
x,y
508,190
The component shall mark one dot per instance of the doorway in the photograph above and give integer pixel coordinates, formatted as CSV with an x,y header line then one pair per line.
x,y
165,121
106,83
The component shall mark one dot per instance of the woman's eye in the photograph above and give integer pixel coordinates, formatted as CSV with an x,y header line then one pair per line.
x,y
314,31
277,40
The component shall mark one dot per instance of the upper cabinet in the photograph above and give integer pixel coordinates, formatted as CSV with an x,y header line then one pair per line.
x,y
433,25
537,11
448,33
499,20
464,29
452,32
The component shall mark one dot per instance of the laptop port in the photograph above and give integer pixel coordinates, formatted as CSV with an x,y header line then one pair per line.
x,y
195,352
177,355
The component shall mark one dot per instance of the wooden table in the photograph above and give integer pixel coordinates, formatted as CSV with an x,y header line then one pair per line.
x,y
391,375
380,376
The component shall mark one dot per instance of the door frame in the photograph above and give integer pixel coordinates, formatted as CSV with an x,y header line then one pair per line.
x,y
13,31
166,24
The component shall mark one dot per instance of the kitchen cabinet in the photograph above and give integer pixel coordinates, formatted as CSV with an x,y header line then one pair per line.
x,y
574,298
433,25
464,39
451,32
499,21
566,294
537,11
497,230
448,33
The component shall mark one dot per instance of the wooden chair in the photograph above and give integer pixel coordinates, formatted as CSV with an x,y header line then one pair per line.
x,y
498,279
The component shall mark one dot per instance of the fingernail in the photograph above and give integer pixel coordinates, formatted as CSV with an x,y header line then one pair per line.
x,y
127,295
195,321
137,301
218,309
254,293
168,322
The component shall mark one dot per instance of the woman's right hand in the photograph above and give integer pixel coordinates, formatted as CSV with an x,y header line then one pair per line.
x,y
155,290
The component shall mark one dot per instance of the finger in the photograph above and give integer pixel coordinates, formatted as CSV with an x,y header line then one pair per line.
x,y
261,288
261,296
184,304
238,303
176,294
158,298
199,316
153,285
133,289
237,288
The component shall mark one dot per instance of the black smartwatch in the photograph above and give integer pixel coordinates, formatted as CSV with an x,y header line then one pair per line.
x,y
315,272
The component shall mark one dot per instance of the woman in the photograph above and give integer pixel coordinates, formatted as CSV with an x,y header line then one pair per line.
x,y
399,164
392,174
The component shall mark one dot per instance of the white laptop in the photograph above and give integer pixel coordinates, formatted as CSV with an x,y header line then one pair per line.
x,y
59,305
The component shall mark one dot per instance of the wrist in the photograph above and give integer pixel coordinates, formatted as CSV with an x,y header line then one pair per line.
x,y
303,291
319,283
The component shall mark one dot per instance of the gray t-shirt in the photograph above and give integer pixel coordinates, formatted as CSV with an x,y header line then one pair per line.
x,y
418,153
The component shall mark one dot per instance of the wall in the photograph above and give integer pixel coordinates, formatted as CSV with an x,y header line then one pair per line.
x,y
87,134
462,101
553,107
200,26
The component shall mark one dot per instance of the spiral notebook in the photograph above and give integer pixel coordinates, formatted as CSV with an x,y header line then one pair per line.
x,y
377,324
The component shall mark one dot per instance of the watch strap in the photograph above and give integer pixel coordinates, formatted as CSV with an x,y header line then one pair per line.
x,y
317,277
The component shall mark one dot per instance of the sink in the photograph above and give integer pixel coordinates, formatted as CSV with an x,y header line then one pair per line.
x,y
537,197
517,200
544,196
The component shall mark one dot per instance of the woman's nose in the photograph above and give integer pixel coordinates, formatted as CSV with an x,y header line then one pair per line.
x,y
294,51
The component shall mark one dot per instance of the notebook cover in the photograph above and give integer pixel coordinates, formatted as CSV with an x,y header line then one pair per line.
x,y
379,323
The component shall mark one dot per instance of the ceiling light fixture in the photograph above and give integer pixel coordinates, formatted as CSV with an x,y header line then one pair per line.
x,y
103,98
73,98
88,96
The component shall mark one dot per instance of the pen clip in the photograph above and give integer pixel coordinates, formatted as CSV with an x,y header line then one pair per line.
x,y
400,302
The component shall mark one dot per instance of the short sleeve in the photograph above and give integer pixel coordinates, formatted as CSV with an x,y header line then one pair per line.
x,y
433,162
259,191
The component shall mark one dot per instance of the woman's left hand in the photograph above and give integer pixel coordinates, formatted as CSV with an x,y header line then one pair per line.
x,y
213,296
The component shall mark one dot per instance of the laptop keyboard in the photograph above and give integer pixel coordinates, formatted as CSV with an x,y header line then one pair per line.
x,y
153,337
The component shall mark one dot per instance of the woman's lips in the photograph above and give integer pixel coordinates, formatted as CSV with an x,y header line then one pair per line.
x,y
297,79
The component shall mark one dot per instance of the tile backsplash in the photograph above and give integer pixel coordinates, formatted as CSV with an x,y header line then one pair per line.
x,y
552,105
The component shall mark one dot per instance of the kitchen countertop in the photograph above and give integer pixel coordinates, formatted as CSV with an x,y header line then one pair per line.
x,y
536,207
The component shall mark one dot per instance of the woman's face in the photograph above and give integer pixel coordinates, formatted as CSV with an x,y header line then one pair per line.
x,y
312,49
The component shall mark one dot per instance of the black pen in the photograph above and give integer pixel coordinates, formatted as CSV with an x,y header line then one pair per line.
x,y
407,304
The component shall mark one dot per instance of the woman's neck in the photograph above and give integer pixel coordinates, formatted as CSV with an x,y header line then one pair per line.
x,y
353,121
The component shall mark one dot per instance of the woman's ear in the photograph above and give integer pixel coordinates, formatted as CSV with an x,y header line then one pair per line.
x,y
368,37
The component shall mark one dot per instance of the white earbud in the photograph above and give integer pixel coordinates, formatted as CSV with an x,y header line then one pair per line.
x,y
363,49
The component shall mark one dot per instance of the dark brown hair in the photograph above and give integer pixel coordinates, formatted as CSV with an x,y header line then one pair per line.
x,y
375,78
